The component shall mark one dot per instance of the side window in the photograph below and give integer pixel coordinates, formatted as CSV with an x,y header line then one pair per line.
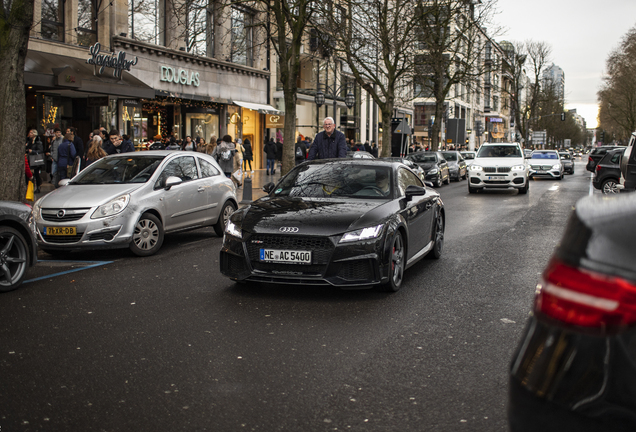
x,y
183,167
616,158
207,169
405,179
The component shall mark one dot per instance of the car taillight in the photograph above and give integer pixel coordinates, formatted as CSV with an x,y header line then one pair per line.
x,y
598,167
584,298
589,159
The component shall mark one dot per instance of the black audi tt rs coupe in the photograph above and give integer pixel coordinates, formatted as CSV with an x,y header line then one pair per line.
x,y
350,223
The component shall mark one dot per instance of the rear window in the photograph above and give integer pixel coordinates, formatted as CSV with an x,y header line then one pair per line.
x,y
544,155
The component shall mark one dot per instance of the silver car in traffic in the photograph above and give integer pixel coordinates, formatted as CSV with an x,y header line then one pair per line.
x,y
132,200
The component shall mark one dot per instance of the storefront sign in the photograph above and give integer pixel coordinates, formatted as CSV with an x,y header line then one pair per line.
x,y
132,103
495,120
274,121
179,76
67,77
117,61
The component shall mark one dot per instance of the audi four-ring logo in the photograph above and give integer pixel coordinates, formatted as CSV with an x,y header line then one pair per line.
x,y
288,229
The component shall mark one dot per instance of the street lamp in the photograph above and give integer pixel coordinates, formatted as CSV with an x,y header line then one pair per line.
x,y
350,98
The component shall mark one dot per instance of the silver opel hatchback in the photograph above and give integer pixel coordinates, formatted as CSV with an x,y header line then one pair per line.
x,y
132,200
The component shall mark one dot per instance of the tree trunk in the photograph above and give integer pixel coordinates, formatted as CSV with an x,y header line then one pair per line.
x,y
387,113
14,38
437,125
289,134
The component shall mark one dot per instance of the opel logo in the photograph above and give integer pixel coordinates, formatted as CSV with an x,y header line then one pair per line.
x,y
288,229
60,214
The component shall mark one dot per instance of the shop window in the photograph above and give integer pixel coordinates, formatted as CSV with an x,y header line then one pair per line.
x,y
52,25
242,37
87,22
200,28
146,21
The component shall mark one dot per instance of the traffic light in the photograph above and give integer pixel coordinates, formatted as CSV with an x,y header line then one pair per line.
x,y
562,116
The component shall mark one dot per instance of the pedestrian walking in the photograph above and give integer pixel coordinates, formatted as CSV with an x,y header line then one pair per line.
x,y
270,153
224,155
188,144
65,156
329,143
209,149
34,147
52,153
95,150
247,155
300,151
279,154
77,141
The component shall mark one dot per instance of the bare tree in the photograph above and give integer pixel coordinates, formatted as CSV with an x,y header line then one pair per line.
x,y
617,95
16,17
538,57
452,47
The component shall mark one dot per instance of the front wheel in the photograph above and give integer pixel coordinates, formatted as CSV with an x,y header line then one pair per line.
x,y
438,237
14,259
148,235
438,182
396,263
226,211
524,190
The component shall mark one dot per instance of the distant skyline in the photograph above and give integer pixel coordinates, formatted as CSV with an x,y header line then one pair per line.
x,y
581,33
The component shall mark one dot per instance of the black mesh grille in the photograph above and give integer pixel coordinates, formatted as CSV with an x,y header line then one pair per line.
x,y
62,239
503,169
490,169
235,265
356,270
496,169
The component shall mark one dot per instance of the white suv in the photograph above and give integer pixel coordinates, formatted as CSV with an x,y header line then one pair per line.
x,y
499,166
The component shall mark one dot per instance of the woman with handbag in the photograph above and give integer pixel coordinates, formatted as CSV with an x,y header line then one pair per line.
x,y
35,152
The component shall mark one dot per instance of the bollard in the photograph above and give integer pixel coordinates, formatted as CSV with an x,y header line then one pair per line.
x,y
247,190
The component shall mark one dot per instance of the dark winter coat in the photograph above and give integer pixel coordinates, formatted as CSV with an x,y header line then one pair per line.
x,y
328,147
65,156
247,154
270,150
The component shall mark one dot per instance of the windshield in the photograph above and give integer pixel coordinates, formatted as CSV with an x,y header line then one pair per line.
x,y
544,155
132,169
497,151
336,180
468,155
565,155
450,156
423,157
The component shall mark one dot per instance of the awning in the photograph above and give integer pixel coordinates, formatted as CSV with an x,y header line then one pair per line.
x,y
43,69
261,108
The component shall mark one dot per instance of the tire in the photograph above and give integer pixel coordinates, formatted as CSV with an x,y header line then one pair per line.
x,y
438,237
228,208
148,235
609,186
524,190
14,259
438,182
471,189
448,180
396,263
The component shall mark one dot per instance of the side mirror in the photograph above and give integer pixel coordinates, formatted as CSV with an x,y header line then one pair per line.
x,y
63,182
412,190
268,187
171,181
429,184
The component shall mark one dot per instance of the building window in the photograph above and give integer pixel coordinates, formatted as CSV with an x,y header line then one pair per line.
x,y
53,20
200,28
146,21
242,41
86,22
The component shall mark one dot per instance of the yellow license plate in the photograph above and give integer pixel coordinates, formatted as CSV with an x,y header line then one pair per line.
x,y
60,231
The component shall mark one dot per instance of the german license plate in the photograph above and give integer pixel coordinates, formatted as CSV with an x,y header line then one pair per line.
x,y
60,231
286,256
496,178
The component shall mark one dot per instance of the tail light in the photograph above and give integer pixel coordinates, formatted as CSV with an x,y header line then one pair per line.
x,y
584,298
598,167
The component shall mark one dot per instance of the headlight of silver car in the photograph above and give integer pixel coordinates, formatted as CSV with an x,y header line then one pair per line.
x,y
518,168
362,234
233,230
112,207
556,166
474,167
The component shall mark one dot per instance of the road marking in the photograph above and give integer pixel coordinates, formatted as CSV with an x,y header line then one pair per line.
x,y
554,188
91,264
591,186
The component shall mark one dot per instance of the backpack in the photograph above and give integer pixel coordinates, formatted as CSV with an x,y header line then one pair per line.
x,y
299,153
226,155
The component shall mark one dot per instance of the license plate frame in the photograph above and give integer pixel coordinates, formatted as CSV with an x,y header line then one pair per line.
x,y
60,231
496,177
283,256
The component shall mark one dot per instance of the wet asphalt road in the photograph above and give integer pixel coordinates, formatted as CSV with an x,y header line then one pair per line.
x,y
166,343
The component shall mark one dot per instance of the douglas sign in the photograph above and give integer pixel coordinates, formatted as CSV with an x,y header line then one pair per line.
x,y
117,62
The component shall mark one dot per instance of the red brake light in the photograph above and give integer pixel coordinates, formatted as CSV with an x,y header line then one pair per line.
x,y
584,298
598,167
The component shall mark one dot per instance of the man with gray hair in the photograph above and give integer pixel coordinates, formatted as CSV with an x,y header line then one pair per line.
x,y
328,144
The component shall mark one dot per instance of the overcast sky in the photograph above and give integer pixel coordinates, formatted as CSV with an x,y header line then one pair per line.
x,y
581,33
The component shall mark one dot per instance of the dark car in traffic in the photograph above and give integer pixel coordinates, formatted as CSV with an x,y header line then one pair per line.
x,y
596,155
434,164
409,163
575,365
350,223
18,246
457,167
607,174
567,160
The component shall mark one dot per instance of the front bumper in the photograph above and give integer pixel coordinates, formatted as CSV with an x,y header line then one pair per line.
x,y
567,380
480,180
105,233
555,174
350,265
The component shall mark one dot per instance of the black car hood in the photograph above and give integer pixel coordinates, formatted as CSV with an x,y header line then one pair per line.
x,y
426,165
313,216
